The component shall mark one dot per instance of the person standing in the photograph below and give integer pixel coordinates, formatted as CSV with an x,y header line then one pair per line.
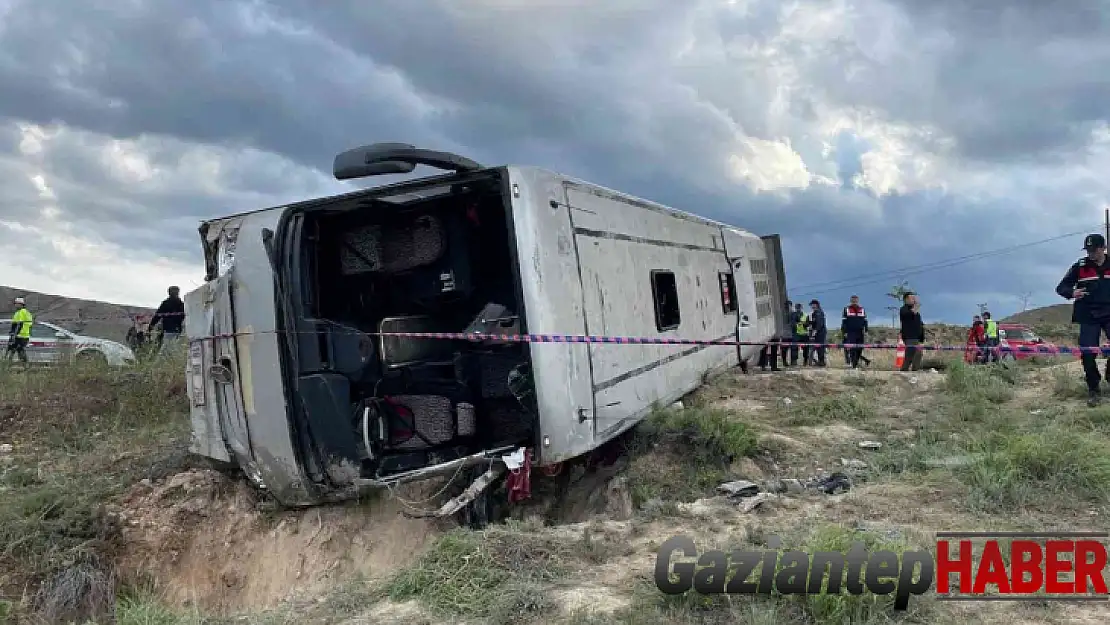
x,y
799,322
853,325
171,314
990,326
1086,285
977,336
912,332
19,335
820,331
778,343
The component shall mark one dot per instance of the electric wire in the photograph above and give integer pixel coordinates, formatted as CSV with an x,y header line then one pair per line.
x,y
862,280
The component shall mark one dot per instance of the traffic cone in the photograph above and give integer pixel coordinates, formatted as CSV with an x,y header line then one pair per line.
x,y
900,354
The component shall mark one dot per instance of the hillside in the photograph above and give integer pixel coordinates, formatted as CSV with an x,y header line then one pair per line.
x,y
107,519
1057,314
89,317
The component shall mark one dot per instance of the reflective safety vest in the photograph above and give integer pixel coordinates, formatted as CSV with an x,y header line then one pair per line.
x,y
23,317
992,329
800,327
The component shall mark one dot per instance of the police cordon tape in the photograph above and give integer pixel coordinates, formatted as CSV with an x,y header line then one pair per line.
x,y
631,340
1056,350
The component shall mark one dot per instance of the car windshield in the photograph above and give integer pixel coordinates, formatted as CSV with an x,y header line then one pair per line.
x,y
1018,334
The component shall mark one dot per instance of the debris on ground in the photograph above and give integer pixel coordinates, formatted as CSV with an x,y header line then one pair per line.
x,y
870,445
751,503
952,461
739,488
833,483
6,448
852,463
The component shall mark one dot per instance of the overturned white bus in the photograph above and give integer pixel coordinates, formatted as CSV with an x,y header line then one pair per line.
x,y
298,376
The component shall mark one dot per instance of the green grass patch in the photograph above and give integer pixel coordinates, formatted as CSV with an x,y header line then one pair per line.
x,y
994,383
1045,468
81,435
495,575
681,455
1068,385
846,408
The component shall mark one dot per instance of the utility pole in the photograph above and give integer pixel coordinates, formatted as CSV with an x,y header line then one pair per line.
x,y
982,308
1025,297
1108,224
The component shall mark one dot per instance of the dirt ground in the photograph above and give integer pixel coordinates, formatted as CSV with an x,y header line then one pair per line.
x,y
583,551
946,449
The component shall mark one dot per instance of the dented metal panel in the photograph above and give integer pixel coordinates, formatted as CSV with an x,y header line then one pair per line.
x,y
247,285
553,304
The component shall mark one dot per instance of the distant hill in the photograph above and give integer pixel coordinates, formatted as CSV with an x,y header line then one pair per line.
x,y
1058,314
88,317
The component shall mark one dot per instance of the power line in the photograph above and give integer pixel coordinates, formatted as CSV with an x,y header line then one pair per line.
x,y
893,273
845,283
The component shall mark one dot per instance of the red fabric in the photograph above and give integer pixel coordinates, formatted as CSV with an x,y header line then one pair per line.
x,y
977,334
519,482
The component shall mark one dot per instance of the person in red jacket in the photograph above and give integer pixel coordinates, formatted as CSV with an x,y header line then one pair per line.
x,y
977,336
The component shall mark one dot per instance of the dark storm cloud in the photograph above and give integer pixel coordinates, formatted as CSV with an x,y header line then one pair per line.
x,y
1011,82
648,96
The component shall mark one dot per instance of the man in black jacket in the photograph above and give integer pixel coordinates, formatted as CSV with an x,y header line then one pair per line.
x,y
820,330
913,331
1086,284
171,314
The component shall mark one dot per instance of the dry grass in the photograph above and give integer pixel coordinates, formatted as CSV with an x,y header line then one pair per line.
x,y
984,447
80,435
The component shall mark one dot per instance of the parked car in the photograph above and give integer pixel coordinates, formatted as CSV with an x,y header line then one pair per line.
x,y
52,344
1017,336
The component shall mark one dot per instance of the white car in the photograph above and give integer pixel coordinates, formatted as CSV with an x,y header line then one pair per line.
x,y
51,344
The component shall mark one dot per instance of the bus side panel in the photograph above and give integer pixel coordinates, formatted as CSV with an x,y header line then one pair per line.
x,y
628,250
552,304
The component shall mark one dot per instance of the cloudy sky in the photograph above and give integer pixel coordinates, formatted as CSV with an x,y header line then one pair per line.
x,y
872,135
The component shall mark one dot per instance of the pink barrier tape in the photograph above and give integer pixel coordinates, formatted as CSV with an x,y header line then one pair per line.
x,y
629,340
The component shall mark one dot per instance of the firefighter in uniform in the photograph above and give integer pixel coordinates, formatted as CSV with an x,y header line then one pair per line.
x,y
853,326
1087,285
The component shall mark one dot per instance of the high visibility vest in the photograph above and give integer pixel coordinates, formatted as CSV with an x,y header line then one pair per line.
x,y
800,327
992,329
23,317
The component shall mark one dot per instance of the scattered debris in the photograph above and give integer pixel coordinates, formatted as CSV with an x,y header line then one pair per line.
x,y
913,379
853,464
6,448
788,485
786,401
870,445
739,488
1036,412
678,405
751,503
952,461
833,483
